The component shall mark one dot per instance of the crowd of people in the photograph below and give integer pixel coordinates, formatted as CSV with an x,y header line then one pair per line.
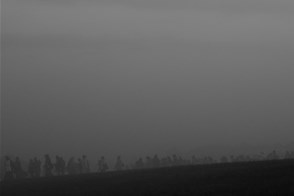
x,y
13,168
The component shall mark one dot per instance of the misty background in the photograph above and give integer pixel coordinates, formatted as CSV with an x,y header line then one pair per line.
x,y
139,77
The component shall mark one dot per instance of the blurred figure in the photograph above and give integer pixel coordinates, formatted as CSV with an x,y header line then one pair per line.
x,y
169,161
62,166
59,165
17,169
72,166
48,166
79,166
31,168
148,162
163,162
155,161
37,167
272,156
224,159
85,165
119,165
139,163
8,175
175,160
102,165
287,155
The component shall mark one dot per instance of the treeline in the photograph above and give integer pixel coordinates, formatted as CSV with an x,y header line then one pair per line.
x,y
13,168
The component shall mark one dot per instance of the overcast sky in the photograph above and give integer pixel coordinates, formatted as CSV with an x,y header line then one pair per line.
x,y
137,77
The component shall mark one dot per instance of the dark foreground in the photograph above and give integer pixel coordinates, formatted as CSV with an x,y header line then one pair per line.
x,y
254,178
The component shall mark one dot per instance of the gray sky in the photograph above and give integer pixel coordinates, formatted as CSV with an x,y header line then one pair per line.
x,y
137,77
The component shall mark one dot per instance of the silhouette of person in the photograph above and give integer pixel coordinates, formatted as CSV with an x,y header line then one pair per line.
x,y
139,163
175,160
57,165
148,163
169,161
119,165
37,167
85,165
102,165
8,174
62,166
80,166
224,159
31,168
155,161
17,169
72,166
48,166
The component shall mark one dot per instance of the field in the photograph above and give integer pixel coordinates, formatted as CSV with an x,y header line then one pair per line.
x,y
252,178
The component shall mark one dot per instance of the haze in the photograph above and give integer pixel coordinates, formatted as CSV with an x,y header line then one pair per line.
x,y
142,77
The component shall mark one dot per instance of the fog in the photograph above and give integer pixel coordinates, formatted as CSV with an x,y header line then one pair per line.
x,y
141,77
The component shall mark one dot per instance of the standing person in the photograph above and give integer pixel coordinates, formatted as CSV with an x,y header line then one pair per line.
x,y
85,165
18,171
102,165
59,165
155,161
48,166
119,165
148,162
56,165
62,166
31,168
139,163
72,166
37,167
8,174
80,166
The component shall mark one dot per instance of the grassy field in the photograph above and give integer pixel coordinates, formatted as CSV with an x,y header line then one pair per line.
x,y
253,178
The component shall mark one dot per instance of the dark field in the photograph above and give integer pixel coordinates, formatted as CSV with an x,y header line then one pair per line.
x,y
253,178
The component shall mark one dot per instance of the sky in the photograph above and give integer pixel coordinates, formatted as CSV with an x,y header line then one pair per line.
x,y
138,77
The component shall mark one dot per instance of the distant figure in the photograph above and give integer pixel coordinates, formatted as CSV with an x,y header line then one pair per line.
x,y
59,165
273,155
79,166
31,168
48,166
72,166
37,167
62,166
17,169
175,160
169,161
8,175
139,163
85,165
119,165
102,165
148,162
163,162
224,159
155,161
